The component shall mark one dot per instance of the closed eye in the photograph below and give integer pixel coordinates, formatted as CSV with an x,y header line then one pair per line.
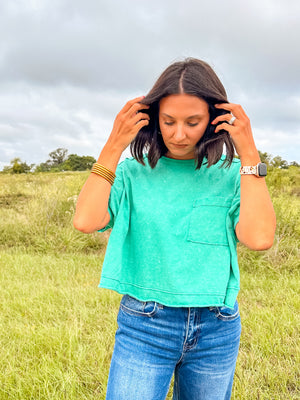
x,y
189,123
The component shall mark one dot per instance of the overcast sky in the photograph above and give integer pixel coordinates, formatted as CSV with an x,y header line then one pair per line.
x,y
68,66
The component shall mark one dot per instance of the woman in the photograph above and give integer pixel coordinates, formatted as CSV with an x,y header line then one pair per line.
x,y
177,209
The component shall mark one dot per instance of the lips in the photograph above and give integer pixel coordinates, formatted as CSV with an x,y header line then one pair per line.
x,y
179,145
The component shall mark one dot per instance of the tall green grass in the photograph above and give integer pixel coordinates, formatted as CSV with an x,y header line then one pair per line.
x,y
57,328
37,210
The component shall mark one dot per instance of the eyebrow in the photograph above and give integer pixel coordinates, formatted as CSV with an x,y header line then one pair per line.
x,y
190,117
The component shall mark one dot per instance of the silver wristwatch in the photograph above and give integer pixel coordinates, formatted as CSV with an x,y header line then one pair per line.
x,y
259,170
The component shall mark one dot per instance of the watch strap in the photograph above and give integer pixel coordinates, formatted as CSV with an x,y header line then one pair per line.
x,y
248,170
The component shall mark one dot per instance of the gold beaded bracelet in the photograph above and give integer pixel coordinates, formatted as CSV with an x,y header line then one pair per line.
x,y
106,173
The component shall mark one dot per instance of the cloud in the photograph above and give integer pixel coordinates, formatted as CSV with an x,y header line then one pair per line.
x,y
67,67
33,123
110,44
67,42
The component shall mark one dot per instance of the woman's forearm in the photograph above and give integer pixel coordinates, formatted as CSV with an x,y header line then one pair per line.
x,y
257,222
91,208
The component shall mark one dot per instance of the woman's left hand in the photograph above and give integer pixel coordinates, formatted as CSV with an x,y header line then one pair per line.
x,y
240,129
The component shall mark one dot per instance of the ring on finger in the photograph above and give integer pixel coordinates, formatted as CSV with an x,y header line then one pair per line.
x,y
231,121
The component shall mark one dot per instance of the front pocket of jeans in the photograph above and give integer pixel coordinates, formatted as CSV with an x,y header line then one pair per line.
x,y
226,313
133,306
207,223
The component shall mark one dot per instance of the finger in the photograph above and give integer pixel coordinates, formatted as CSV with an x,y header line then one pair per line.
x,y
139,125
139,116
135,108
224,117
225,126
235,109
130,103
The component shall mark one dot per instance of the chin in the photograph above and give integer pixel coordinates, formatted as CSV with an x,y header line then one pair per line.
x,y
180,156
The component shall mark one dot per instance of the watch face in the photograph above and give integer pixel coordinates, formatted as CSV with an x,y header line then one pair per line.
x,y
262,169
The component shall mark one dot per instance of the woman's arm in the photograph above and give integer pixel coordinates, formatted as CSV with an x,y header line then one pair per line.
x,y
92,205
91,209
257,221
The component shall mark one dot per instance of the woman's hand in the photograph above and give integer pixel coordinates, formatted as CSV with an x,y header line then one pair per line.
x,y
240,131
128,122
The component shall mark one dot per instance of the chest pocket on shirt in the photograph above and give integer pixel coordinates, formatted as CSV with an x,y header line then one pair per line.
x,y
207,223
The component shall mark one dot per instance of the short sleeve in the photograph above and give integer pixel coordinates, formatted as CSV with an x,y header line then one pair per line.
x,y
234,211
116,193
235,206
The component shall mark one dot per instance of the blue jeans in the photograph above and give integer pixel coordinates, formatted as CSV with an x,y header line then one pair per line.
x,y
199,345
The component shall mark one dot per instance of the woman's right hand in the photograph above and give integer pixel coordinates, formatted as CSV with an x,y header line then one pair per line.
x,y
128,123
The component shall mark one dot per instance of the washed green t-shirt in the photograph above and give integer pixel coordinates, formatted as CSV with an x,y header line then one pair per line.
x,y
173,233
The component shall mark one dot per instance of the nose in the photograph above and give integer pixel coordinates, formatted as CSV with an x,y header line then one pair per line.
x,y
179,134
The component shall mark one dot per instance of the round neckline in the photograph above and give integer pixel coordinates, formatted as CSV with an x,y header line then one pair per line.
x,y
177,161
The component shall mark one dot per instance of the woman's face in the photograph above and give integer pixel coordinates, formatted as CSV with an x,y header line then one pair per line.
x,y
183,119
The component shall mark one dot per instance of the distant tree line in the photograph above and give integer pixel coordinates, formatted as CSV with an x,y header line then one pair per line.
x,y
277,161
59,160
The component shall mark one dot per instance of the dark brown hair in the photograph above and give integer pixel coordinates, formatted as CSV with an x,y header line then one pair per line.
x,y
197,78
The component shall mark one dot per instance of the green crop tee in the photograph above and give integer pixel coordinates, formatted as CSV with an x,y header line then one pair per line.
x,y
173,233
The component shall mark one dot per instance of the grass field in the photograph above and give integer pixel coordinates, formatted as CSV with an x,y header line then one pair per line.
x,y
57,327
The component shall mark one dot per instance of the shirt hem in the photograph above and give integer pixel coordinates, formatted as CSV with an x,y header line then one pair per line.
x,y
171,299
